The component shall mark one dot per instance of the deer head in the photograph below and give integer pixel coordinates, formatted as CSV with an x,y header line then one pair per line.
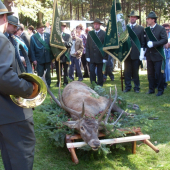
x,y
87,127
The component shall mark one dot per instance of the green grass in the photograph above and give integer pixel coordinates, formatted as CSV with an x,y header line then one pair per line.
x,y
48,157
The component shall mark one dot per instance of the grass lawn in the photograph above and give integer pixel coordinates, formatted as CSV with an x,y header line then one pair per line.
x,y
48,157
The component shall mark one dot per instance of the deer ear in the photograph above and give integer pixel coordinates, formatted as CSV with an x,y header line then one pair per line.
x,y
71,124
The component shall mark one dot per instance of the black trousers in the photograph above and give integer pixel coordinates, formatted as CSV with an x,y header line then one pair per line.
x,y
99,73
17,142
85,66
65,67
131,72
155,77
40,71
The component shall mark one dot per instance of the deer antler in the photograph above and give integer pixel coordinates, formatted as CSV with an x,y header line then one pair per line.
x,y
78,114
109,111
104,112
83,110
49,91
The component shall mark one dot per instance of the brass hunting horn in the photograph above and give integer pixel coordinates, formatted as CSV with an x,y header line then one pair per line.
x,y
27,74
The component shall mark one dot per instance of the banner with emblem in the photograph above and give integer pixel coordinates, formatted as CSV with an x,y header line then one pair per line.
x,y
57,46
117,42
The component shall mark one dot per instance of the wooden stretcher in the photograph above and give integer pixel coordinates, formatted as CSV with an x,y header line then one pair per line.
x,y
138,136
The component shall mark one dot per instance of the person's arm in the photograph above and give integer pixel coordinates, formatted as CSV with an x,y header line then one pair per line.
x,y
10,84
163,40
79,52
88,48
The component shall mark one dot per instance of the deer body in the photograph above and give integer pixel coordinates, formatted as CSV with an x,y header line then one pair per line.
x,y
75,93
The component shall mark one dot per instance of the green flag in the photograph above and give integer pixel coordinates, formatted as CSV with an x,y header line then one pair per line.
x,y
117,42
57,46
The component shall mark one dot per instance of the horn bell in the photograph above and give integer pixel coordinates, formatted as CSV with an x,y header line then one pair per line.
x,y
38,99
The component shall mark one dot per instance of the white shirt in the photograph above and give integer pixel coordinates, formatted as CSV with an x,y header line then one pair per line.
x,y
153,26
97,31
132,24
72,51
42,36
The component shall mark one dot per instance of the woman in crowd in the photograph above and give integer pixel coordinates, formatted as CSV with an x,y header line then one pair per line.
x,y
31,30
167,53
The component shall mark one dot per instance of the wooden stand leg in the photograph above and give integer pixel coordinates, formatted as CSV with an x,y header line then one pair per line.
x,y
72,150
74,156
134,147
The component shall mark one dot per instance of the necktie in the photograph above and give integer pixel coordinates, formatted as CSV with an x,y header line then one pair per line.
x,y
132,27
42,37
152,29
96,33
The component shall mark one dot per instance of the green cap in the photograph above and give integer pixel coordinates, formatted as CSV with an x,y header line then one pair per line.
x,y
152,15
97,20
13,20
134,14
4,10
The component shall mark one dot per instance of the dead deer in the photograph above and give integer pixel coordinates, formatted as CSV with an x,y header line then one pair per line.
x,y
83,104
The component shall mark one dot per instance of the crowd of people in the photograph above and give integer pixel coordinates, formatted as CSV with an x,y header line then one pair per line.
x,y
16,123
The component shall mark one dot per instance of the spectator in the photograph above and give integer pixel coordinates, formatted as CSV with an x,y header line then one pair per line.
x,y
167,54
31,30
79,29
75,56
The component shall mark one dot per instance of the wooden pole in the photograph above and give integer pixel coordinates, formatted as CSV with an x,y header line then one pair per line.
x,y
147,142
121,78
111,141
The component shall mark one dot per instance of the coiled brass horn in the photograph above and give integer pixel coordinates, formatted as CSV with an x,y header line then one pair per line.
x,y
29,76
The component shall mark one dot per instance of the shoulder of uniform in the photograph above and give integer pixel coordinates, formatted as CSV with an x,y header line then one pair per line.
x,y
3,37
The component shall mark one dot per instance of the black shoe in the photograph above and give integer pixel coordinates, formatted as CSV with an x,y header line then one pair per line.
x,y
136,91
159,93
126,90
149,92
80,79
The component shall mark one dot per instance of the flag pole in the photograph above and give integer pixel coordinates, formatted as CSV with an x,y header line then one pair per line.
x,y
121,78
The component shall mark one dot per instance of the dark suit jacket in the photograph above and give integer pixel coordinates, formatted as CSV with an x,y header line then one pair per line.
x,y
67,38
160,34
38,52
92,51
139,31
10,84
26,38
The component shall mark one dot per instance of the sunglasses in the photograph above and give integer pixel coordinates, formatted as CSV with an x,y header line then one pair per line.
x,y
167,29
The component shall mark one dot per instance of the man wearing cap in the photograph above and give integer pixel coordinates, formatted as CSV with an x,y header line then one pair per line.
x,y
17,139
132,62
64,59
93,54
156,38
41,54
12,28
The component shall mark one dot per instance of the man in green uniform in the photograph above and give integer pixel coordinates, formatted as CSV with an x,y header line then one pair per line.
x,y
17,139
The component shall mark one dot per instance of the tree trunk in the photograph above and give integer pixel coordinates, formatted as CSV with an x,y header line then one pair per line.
x,y
91,7
78,11
7,3
71,10
40,17
82,12
139,13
